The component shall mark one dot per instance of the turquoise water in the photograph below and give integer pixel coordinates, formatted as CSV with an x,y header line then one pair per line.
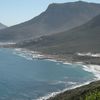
x,y
23,79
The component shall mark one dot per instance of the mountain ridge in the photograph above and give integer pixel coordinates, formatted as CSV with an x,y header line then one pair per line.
x,y
2,26
56,18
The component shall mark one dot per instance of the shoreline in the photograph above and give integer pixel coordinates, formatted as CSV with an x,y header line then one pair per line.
x,y
51,95
87,67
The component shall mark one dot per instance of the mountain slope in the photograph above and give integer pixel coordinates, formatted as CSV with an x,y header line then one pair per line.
x,y
57,18
85,38
2,26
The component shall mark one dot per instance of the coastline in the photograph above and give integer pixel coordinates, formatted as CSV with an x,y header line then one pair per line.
x,y
87,67
51,95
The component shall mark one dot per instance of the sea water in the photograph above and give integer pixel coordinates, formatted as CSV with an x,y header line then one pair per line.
x,y
31,79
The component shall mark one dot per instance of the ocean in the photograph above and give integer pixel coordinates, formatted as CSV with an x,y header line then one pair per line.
x,y
25,78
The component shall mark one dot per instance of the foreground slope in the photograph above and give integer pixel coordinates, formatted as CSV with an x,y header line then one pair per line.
x,y
88,92
57,18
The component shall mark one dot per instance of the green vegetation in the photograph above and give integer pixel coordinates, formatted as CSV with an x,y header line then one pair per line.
x,y
92,95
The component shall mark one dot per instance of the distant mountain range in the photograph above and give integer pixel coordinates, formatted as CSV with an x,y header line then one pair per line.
x,y
57,18
85,38
2,26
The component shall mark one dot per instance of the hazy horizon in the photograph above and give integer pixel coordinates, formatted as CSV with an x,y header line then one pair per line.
x,y
14,12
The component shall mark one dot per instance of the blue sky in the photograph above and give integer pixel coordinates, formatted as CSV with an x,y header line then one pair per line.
x,y
16,11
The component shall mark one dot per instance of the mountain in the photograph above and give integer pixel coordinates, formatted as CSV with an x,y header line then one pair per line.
x,y
2,26
85,38
57,18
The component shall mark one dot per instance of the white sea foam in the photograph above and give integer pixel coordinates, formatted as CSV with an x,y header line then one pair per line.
x,y
53,60
67,63
72,83
58,61
24,55
6,43
56,93
34,55
63,82
95,69
29,55
58,82
89,54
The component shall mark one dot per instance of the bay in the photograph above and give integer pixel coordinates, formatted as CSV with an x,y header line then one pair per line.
x,y
24,79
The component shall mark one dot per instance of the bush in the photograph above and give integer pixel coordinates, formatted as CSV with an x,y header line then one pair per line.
x,y
95,95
